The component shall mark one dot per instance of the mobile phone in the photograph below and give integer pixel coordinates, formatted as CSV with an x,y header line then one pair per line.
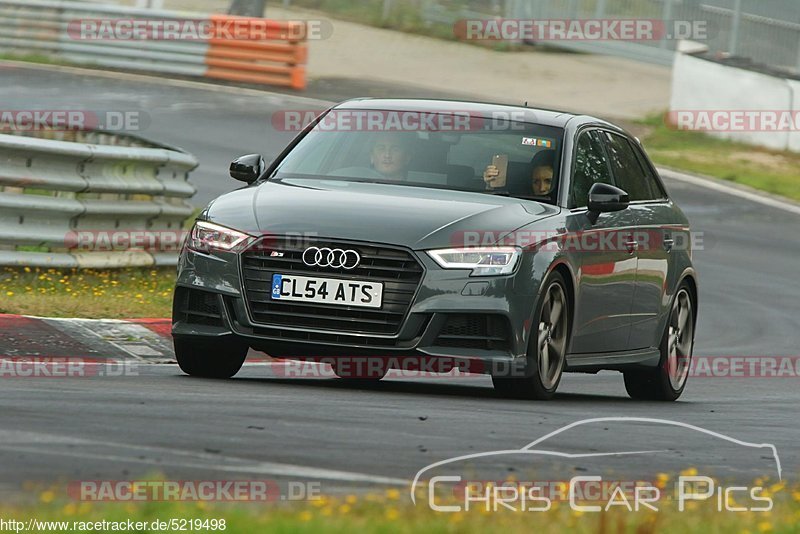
x,y
501,162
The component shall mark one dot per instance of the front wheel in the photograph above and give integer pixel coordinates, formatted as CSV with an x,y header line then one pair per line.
x,y
210,358
547,348
667,381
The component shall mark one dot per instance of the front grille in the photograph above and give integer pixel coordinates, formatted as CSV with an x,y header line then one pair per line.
x,y
475,331
395,267
198,307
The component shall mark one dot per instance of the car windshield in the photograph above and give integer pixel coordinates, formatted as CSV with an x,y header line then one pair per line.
x,y
460,153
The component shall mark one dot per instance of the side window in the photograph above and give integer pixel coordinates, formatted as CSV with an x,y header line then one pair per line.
x,y
591,166
629,172
649,174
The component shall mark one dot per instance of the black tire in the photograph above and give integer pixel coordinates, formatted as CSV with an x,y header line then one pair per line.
x,y
210,358
360,369
667,381
533,385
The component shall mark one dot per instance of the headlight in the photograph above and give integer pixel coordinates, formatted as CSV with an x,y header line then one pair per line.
x,y
206,236
484,261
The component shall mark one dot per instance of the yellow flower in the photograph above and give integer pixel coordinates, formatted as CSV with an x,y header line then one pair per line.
x,y
343,509
689,472
392,514
392,494
9,293
764,527
305,516
351,499
70,509
775,488
47,496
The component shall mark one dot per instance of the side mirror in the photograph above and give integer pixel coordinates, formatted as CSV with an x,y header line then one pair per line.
x,y
248,168
605,197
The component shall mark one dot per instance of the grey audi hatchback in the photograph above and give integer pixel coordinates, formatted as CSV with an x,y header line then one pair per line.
x,y
510,241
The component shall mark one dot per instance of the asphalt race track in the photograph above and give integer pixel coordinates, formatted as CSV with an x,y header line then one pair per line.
x,y
360,435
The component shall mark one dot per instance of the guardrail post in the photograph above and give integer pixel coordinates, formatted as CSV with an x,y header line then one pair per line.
x,y
600,9
573,9
387,10
666,17
737,19
798,52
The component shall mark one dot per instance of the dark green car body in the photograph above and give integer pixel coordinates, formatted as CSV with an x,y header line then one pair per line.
x,y
619,296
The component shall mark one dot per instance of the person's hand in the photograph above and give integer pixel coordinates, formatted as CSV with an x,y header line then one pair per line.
x,y
492,177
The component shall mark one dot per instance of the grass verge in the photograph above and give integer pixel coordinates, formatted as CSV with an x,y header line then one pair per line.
x,y
87,293
768,170
391,511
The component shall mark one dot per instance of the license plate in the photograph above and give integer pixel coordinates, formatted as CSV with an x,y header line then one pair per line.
x,y
327,290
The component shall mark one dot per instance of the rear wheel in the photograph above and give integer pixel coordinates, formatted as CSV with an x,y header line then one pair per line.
x,y
210,358
547,348
667,381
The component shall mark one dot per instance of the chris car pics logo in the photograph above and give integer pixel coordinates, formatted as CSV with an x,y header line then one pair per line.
x,y
446,487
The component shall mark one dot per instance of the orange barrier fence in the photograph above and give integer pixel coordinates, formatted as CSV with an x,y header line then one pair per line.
x,y
223,47
258,51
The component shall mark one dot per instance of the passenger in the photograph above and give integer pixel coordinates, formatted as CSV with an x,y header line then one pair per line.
x,y
541,176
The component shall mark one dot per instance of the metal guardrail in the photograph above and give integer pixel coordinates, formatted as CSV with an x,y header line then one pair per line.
x,y
49,27
768,32
93,184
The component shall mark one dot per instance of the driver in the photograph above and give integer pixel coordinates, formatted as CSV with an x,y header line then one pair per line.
x,y
391,155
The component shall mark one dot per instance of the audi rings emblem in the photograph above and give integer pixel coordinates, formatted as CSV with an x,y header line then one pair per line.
x,y
331,257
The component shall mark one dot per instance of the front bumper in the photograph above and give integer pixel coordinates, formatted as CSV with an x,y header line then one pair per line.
x,y
451,315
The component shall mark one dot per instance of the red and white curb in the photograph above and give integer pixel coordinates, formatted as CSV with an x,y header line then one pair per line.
x,y
144,340
141,340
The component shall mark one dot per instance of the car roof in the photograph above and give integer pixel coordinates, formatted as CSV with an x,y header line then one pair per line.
x,y
544,117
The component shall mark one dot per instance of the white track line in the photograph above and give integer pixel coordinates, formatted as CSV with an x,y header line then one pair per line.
x,y
21,441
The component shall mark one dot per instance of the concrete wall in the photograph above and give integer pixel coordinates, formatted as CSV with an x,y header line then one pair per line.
x,y
700,84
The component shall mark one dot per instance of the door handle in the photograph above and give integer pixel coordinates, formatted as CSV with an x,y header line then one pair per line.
x,y
668,242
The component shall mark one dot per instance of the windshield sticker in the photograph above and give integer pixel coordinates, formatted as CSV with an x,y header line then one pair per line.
x,y
533,141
